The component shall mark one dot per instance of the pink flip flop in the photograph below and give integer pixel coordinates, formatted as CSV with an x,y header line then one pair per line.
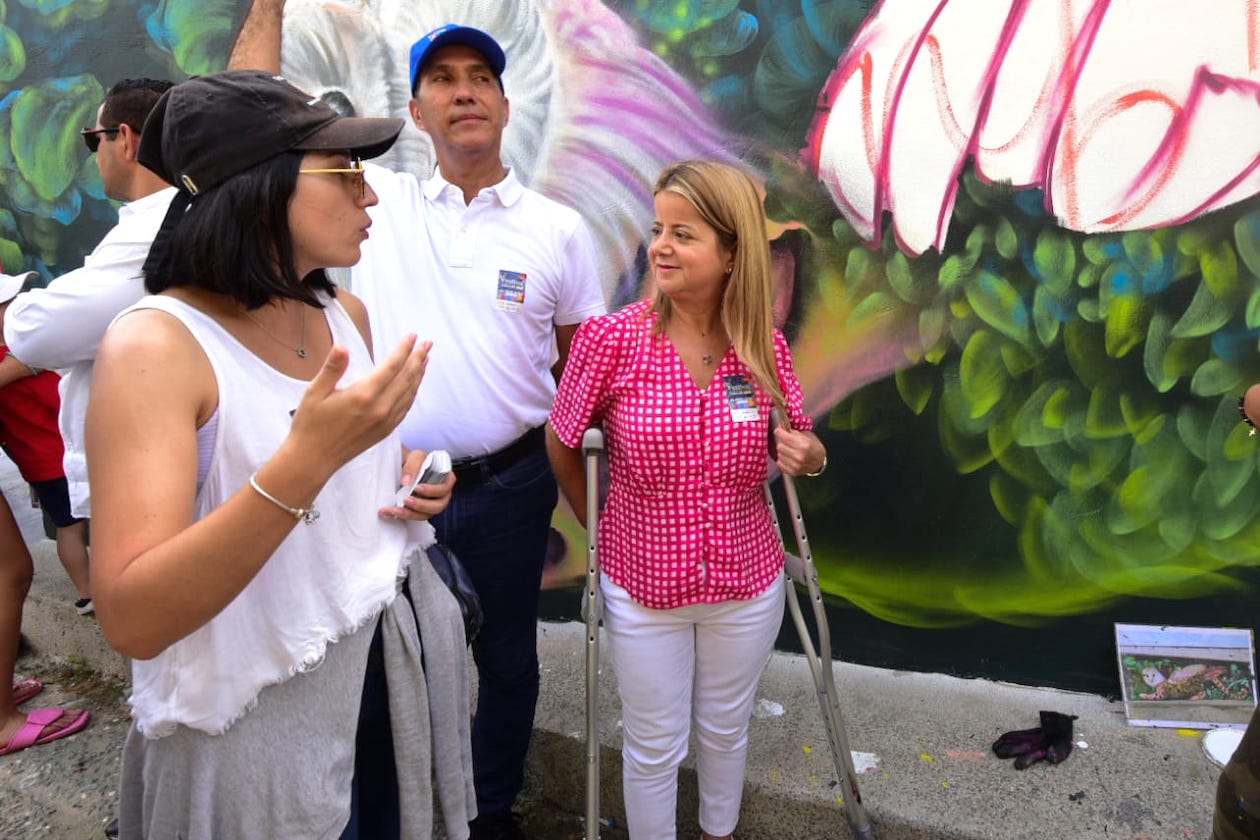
x,y
25,690
30,735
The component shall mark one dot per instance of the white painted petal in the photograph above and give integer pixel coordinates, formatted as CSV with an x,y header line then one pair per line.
x,y
1126,138
934,115
847,141
1216,161
1025,99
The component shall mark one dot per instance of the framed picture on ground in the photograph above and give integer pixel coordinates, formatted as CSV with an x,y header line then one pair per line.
x,y
1191,677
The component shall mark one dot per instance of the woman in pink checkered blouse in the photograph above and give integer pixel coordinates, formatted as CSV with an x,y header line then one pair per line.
x,y
683,385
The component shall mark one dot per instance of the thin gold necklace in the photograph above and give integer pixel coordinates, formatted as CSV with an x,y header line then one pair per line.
x,y
300,349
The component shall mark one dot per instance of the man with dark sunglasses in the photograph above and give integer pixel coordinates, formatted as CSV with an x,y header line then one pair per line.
x,y
92,136
61,326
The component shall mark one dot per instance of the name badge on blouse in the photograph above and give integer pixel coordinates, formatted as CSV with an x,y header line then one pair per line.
x,y
741,398
510,296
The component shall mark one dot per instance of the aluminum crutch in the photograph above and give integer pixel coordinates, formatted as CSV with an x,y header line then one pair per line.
x,y
592,449
820,665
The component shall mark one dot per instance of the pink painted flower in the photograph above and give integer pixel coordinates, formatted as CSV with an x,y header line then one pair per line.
x,y
1126,113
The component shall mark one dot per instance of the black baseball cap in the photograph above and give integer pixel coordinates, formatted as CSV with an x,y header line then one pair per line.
x,y
453,33
204,130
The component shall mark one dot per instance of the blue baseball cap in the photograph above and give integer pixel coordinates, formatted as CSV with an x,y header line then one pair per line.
x,y
453,33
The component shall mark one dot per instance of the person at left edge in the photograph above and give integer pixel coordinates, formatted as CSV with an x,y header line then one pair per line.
x,y
249,556
61,326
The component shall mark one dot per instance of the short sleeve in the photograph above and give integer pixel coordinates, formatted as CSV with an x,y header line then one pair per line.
x,y
793,398
583,391
580,295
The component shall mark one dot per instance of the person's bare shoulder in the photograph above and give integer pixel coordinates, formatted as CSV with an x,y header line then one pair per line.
x,y
150,351
358,314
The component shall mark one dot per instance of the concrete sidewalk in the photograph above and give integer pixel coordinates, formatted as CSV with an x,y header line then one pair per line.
x,y
922,740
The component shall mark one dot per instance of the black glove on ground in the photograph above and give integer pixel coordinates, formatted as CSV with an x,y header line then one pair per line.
x,y
1051,742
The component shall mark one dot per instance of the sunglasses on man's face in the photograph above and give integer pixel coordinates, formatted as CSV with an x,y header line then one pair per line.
x,y
92,137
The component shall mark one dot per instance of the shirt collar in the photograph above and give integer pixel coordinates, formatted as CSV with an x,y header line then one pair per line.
x,y
508,191
159,198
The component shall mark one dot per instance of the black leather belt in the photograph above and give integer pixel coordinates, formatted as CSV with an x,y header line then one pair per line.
x,y
478,470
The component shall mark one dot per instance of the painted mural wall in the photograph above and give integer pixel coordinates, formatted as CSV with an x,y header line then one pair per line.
x,y
1016,248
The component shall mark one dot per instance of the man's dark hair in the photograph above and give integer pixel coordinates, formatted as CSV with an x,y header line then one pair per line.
x,y
235,240
130,102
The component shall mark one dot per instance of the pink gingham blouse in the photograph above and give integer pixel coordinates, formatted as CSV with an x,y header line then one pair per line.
x,y
686,519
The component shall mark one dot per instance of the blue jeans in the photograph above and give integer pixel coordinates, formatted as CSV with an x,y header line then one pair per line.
x,y
499,530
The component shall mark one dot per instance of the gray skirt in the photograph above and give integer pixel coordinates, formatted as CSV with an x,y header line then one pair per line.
x,y
284,769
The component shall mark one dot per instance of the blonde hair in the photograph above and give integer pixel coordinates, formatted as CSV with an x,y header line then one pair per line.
x,y
728,201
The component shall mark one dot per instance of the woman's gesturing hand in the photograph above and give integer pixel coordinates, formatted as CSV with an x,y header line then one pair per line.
x,y
338,423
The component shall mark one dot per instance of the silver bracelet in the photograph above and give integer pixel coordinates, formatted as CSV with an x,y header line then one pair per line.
x,y
307,515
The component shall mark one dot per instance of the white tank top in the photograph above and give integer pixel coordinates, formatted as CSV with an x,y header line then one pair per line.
x,y
324,581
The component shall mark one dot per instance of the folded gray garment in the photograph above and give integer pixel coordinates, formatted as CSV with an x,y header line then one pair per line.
x,y
426,660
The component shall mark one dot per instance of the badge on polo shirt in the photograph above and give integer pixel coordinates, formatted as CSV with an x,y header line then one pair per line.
x,y
510,296
741,398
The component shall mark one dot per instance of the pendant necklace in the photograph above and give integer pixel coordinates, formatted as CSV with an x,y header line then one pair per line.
x,y
707,359
300,349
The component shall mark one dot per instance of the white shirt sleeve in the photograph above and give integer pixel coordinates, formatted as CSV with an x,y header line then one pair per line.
x,y
580,295
63,324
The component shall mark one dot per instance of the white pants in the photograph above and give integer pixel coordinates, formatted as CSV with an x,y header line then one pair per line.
x,y
698,663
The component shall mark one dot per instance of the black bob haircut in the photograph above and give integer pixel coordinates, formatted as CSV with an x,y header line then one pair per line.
x,y
234,240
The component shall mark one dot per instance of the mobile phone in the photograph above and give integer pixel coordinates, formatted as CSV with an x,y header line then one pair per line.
x,y
436,466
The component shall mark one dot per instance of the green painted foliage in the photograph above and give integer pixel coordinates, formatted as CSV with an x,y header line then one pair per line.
x,y
677,18
12,54
1055,258
999,305
197,33
982,374
1091,427
1247,242
45,141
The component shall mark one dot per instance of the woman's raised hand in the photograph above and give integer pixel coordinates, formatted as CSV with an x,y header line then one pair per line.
x,y
337,424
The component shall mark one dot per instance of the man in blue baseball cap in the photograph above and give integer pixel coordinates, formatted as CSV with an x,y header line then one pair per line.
x,y
453,34
498,277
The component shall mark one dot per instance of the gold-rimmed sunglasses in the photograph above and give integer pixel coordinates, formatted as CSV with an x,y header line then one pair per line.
x,y
354,172
92,137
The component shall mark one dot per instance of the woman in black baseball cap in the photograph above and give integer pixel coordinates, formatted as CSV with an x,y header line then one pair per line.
x,y
247,551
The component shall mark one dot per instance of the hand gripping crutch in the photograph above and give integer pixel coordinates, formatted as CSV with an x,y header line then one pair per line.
x,y
592,448
820,665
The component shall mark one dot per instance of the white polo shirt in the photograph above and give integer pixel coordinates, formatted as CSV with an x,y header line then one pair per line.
x,y
487,283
